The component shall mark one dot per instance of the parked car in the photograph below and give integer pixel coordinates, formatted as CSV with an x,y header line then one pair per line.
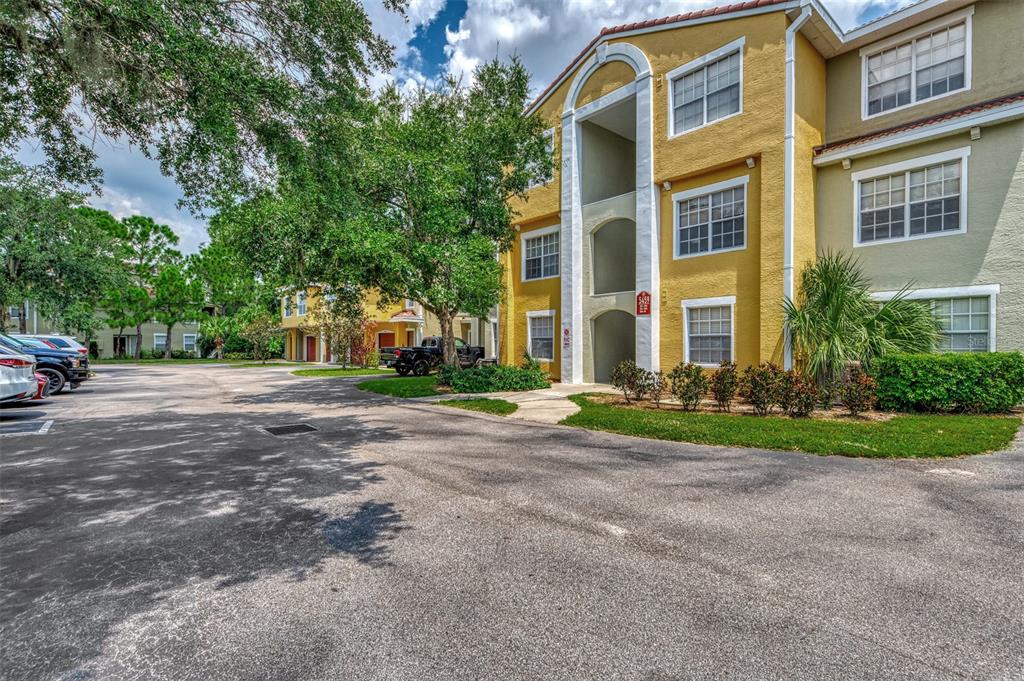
x,y
17,376
62,368
58,341
43,390
419,360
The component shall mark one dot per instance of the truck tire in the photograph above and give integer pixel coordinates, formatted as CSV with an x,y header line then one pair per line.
x,y
420,368
402,371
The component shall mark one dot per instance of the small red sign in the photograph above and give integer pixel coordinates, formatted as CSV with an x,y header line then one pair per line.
x,y
643,303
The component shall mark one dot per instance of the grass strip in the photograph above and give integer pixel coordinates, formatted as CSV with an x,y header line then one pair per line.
x,y
903,436
484,404
411,386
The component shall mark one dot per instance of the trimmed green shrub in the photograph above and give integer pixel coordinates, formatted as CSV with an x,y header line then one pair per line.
x,y
760,387
626,377
492,378
689,384
858,391
984,382
658,387
797,393
724,383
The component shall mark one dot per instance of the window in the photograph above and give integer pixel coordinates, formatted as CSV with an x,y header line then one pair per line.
x,y
711,218
708,332
302,303
286,304
541,332
188,341
540,253
707,89
910,70
410,304
159,342
549,139
918,198
964,323
14,311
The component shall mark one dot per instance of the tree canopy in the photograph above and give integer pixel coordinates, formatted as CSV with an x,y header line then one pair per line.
x,y
221,93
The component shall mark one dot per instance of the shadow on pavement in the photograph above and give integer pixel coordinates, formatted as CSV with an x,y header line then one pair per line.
x,y
102,520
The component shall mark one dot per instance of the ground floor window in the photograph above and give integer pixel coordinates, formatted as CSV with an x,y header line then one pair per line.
x,y
159,342
189,342
541,331
964,323
708,330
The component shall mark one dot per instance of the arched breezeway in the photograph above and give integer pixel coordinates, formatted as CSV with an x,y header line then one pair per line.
x,y
613,336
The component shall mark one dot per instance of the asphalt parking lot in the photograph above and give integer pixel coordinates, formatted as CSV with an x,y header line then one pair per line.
x,y
158,530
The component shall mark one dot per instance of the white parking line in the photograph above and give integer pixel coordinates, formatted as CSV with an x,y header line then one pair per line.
x,y
42,430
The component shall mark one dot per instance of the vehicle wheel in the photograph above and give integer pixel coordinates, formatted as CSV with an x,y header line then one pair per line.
x,y
56,379
402,371
420,368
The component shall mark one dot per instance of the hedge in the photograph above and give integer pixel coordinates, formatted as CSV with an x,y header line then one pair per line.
x,y
983,382
492,378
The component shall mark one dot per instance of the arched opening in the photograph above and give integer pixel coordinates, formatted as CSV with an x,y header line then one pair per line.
x,y
614,340
613,257
608,152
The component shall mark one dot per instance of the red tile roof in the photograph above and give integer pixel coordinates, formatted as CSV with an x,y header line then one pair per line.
x,y
922,122
622,28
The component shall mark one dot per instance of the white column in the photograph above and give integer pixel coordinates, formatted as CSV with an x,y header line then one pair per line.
x,y
571,241
647,255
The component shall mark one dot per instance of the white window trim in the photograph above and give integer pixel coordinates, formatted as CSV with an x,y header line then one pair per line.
x,y
184,342
533,234
286,306
991,291
554,335
679,197
695,303
154,341
965,15
696,64
961,154
301,305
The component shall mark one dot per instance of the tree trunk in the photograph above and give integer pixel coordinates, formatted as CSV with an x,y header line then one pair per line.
x,y
167,342
138,341
451,357
23,319
120,332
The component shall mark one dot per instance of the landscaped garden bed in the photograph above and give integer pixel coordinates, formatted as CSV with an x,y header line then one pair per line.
x,y
871,434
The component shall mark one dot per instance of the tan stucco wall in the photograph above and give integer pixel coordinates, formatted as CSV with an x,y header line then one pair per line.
x,y
998,28
990,252
522,297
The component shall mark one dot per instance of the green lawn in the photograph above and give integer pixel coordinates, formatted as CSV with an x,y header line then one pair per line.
x,y
191,360
411,386
340,371
484,404
901,436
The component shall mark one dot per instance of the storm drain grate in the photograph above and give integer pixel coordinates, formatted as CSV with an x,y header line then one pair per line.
x,y
290,429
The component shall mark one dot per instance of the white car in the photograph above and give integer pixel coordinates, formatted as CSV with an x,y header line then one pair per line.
x,y
62,342
17,377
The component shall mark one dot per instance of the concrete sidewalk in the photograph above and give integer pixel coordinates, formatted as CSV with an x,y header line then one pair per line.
x,y
549,405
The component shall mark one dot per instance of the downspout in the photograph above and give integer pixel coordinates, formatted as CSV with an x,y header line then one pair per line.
x,y
789,166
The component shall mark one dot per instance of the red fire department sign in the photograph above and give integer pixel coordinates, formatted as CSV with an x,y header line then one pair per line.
x,y
643,303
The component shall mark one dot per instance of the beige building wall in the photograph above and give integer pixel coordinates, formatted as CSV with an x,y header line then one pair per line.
x,y
991,251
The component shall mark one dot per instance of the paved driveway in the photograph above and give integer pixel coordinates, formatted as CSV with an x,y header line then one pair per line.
x,y
157,532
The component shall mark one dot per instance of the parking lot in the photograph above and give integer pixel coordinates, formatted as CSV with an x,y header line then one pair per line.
x,y
159,530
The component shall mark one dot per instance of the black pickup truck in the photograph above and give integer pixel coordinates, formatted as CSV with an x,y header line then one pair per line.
x,y
421,359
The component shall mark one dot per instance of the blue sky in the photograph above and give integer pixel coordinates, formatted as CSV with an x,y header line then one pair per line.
x,y
437,38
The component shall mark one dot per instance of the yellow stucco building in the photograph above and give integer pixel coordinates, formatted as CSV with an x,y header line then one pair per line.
x,y
684,199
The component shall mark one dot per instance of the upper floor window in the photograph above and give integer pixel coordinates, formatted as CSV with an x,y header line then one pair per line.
x,y
711,218
706,89
540,253
913,199
911,69
286,305
410,304
302,303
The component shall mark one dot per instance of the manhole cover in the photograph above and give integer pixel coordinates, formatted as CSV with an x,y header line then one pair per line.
x,y
290,429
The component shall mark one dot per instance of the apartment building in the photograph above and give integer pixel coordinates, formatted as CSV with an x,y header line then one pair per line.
x,y
702,160
109,342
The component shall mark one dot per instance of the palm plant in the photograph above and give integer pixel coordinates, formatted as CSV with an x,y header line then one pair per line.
x,y
835,320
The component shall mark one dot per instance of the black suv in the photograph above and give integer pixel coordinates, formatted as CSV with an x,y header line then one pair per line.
x,y
61,367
